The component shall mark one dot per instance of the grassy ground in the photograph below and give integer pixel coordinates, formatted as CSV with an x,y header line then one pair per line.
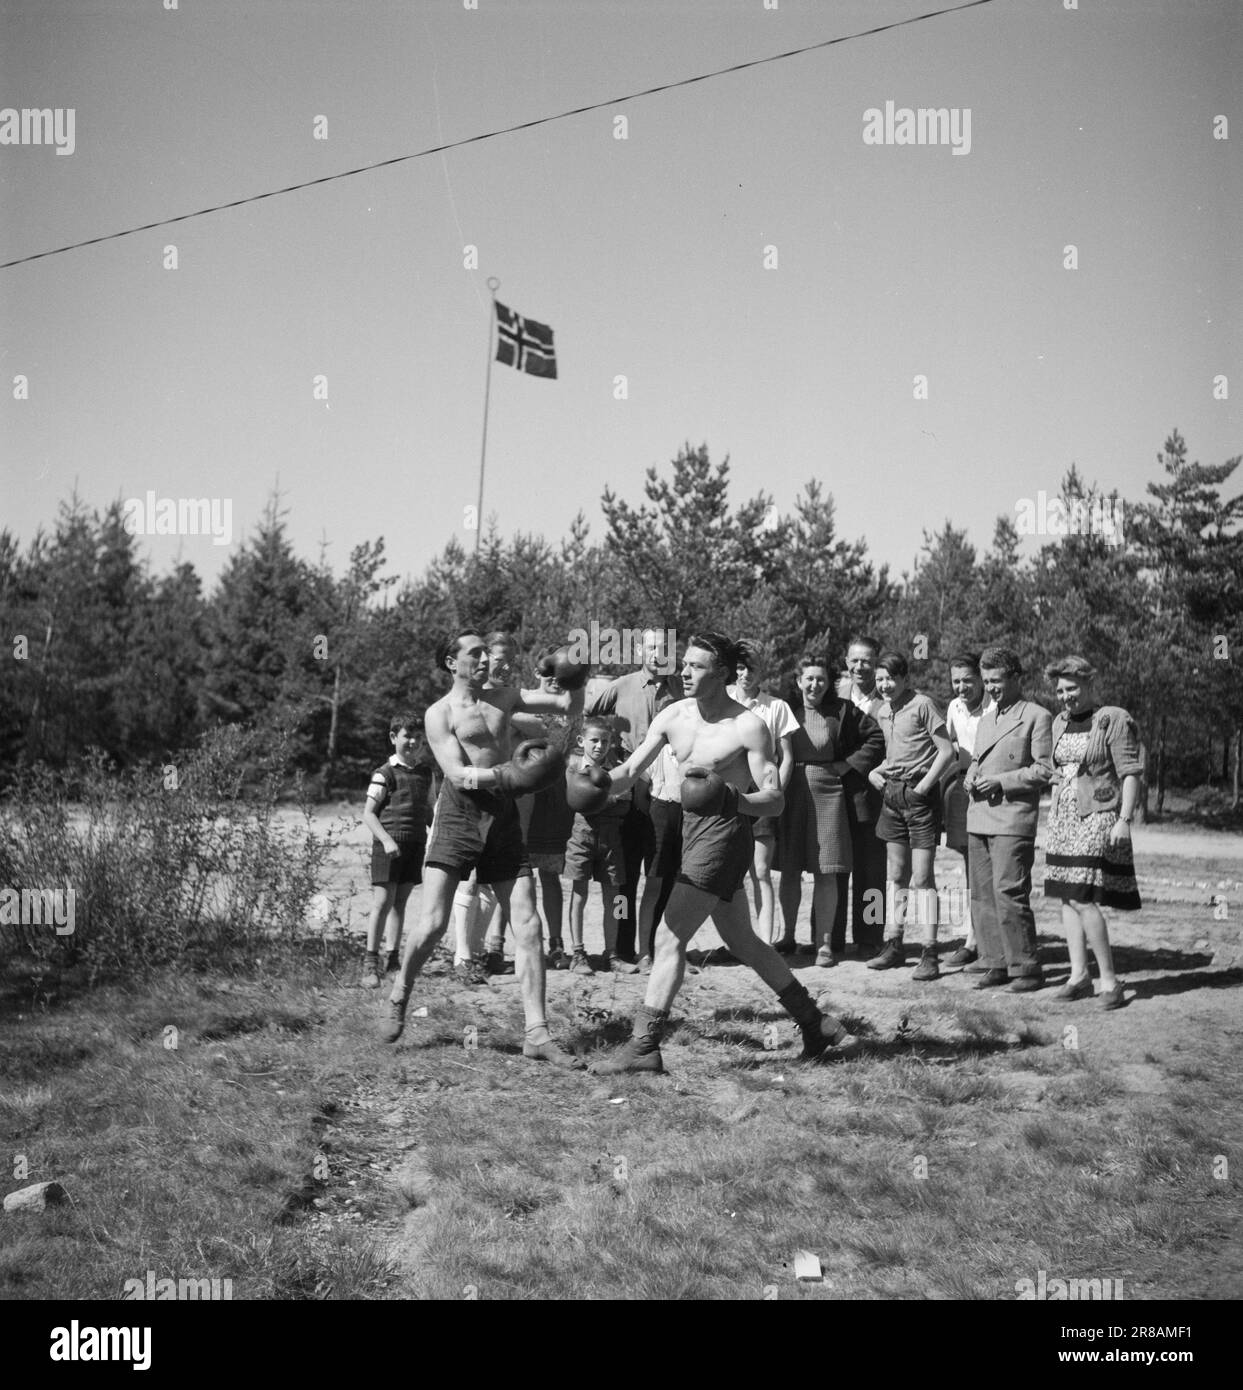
x,y
191,1160
978,1140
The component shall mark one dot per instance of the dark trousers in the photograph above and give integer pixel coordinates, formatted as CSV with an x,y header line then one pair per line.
x,y
999,869
867,891
638,845
867,875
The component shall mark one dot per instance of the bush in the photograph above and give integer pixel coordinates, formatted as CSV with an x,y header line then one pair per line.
x,y
161,859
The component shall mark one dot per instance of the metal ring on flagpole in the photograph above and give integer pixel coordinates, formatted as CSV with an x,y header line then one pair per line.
x,y
493,283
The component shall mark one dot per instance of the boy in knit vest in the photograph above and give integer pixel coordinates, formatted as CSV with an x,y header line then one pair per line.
x,y
398,811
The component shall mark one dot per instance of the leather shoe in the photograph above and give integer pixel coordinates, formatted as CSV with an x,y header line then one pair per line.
x,y
891,958
1069,991
927,969
991,979
963,956
1026,984
1112,998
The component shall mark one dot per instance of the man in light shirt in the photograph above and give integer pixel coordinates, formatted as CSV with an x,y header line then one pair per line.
x,y
779,719
962,720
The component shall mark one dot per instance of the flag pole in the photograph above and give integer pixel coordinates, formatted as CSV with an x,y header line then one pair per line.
x,y
493,284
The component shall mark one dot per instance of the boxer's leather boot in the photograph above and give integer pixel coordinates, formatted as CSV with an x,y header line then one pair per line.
x,y
820,1030
642,1052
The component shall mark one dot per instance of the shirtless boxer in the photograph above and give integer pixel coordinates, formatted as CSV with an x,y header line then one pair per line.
x,y
721,748
476,825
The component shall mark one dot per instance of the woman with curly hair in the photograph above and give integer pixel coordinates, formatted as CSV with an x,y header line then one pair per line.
x,y
1088,859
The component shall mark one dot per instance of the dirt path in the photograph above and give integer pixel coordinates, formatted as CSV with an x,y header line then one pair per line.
x,y
1181,957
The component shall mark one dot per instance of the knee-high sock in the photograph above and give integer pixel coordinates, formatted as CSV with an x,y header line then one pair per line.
x,y
465,916
926,912
895,911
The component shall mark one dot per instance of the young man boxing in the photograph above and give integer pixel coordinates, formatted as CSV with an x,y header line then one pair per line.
x,y
722,749
476,825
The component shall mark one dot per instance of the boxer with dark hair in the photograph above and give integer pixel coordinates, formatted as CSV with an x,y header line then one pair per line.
x,y
722,749
476,825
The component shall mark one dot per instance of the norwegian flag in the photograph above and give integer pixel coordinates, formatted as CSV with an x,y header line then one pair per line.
x,y
524,344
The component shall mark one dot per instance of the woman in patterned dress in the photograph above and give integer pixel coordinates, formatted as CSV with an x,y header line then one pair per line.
x,y
835,740
1088,857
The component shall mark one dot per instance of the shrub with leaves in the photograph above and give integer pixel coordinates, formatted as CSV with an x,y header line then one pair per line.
x,y
162,859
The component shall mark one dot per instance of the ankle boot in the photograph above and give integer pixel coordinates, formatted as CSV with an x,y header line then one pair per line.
x,y
819,1030
642,1052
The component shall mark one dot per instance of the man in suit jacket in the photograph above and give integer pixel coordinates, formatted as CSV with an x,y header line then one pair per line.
x,y
1013,760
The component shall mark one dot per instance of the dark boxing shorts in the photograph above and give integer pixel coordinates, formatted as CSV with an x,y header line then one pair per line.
x,y
477,830
908,818
406,867
717,851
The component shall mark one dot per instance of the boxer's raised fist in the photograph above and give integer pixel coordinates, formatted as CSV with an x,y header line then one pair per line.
x,y
561,667
702,792
536,764
588,790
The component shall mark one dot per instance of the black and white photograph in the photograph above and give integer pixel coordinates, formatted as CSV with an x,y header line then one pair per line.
x,y
621,669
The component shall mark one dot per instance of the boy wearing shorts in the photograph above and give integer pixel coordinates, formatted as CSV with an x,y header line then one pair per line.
x,y
917,752
399,806
595,851
548,832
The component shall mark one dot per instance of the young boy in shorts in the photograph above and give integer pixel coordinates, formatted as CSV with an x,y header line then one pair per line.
x,y
595,851
917,752
399,806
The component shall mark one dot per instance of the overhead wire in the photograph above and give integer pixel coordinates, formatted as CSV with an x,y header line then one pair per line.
x,y
496,134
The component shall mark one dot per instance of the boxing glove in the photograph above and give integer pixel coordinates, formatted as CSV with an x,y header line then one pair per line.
x,y
561,667
588,790
535,764
703,792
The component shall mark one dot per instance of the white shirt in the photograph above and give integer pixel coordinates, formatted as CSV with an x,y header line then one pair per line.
x,y
666,776
778,717
961,725
869,704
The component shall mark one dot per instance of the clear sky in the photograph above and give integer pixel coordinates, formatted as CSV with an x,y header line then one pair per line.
x,y
1090,127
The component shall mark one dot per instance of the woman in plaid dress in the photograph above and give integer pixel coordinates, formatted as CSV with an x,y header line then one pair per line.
x,y
1088,859
834,747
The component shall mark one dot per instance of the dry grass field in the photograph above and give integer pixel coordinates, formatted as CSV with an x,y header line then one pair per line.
x,y
977,1140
